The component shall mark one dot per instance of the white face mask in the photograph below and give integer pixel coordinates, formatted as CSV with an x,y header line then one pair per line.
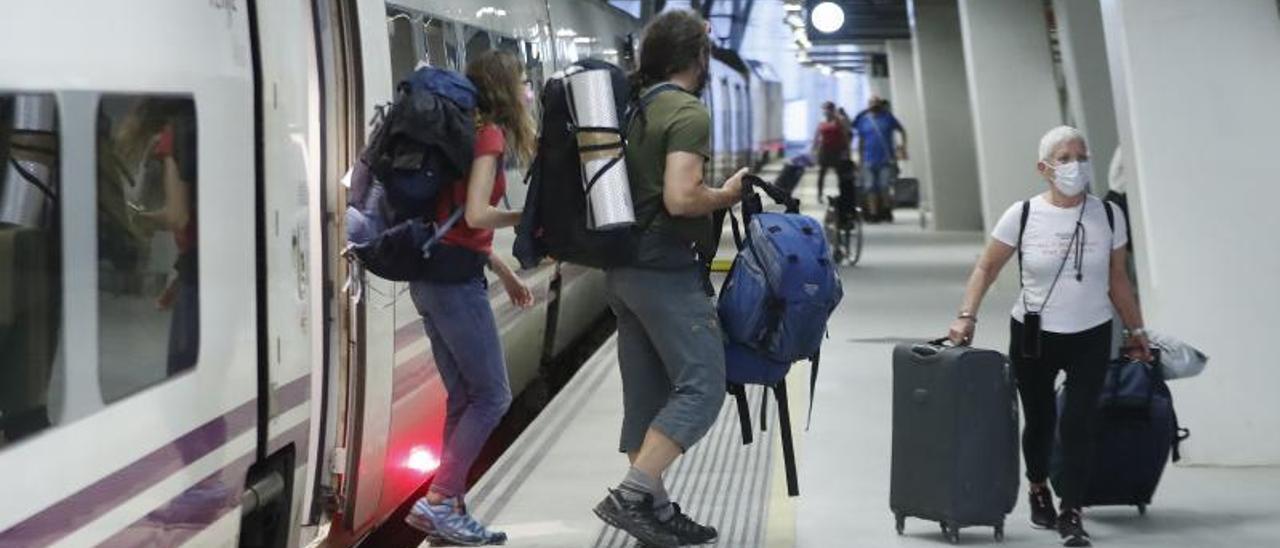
x,y
1071,178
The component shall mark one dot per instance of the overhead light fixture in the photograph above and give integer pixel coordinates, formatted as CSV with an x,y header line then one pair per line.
x,y
827,17
566,33
490,10
584,40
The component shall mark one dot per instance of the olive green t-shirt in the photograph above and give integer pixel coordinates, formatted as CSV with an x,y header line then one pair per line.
x,y
673,121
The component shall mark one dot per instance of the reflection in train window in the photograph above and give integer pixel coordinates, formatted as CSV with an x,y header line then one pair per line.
x,y
477,43
510,45
30,261
404,58
441,43
148,275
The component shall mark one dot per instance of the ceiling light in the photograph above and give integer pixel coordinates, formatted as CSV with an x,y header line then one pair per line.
x,y
827,17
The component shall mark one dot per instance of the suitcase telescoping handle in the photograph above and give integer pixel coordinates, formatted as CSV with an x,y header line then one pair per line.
x,y
932,348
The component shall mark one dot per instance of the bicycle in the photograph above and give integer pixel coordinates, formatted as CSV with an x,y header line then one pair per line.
x,y
844,232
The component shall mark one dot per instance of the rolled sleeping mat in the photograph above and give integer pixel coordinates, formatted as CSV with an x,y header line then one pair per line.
x,y
600,148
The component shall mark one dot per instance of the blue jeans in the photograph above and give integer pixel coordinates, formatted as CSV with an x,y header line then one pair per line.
x,y
468,353
876,180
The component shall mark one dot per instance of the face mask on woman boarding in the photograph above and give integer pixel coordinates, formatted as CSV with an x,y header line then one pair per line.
x,y
1071,178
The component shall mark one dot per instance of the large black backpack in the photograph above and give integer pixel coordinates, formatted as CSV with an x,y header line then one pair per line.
x,y
554,222
422,143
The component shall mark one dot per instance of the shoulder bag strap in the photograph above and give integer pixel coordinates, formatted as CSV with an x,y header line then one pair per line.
x,y
1022,228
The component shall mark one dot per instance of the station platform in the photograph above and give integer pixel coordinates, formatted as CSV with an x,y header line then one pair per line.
x,y
906,288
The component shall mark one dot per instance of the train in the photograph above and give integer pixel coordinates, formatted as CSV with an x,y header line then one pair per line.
x,y
189,359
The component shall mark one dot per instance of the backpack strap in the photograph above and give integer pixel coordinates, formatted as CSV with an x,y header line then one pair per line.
x,y
1022,228
739,393
813,386
788,446
1111,220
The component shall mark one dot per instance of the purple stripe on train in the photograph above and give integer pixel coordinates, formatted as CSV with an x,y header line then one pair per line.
x,y
73,512
203,504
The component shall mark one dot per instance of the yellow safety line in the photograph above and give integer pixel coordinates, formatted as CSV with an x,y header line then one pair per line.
x,y
780,527
721,265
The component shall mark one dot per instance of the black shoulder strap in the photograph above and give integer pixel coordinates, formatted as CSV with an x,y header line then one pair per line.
x,y
739,393
637,109
1022,228
813,387
788,445
1111,215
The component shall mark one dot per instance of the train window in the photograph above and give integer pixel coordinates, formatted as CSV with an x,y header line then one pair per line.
x,y
441,43
404,58
477,43
30,260
148,266
510,45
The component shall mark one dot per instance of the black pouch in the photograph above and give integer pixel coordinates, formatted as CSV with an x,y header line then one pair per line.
x,y
1031,335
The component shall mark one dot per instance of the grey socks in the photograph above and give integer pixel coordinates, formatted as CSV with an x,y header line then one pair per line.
x,y
637,484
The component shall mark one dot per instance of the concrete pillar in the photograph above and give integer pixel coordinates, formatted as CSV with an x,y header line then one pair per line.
x,y
906,104
1013,96
1196,86
951,175
1089,99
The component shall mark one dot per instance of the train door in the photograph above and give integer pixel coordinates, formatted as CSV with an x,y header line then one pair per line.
x,y
128,379
366,326
289,105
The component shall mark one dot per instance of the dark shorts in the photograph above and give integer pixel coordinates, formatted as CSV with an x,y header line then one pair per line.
x,y
670,352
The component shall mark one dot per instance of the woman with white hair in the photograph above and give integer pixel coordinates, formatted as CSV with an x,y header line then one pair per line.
x,y
1072,257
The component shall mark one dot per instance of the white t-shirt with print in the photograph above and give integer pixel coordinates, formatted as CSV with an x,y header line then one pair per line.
x,y
1076,305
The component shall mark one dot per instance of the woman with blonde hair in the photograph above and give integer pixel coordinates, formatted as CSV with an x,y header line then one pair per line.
x,y
457,316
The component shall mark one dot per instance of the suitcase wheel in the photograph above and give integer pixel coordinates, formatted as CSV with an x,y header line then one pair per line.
x,y
1142,509
999,534
901,522
951,532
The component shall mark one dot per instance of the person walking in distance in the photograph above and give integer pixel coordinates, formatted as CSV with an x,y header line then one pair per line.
x,y
830,143
670,349
875,129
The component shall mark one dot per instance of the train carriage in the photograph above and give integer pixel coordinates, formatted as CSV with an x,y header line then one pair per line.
x,y
189,359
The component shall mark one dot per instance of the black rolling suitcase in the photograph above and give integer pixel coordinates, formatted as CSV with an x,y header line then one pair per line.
x,y
1136,432
789,178
955,437
906,192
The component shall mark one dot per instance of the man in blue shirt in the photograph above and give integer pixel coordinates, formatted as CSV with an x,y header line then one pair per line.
x,y
874,130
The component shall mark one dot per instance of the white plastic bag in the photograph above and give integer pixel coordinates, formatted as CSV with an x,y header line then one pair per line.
x,y
1178,360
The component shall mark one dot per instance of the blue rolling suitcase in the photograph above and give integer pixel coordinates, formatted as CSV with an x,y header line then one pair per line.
x,y
1137,431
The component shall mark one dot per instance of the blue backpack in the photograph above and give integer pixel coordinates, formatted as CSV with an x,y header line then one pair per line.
x,y
774,305
421,144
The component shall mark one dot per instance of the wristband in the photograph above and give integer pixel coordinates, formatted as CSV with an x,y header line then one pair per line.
x,y
967,316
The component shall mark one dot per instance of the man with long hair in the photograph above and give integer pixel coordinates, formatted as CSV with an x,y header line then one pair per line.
x,y
670,349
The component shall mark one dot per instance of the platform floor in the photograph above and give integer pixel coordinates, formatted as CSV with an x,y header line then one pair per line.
x,y
906,288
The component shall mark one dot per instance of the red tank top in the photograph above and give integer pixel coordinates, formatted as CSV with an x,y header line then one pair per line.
x,y
833,136
489,142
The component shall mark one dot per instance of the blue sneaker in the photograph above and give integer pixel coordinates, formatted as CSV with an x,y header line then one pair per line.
x,y
444,524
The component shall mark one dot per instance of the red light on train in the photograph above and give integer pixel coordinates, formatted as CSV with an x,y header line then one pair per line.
x,y
421,460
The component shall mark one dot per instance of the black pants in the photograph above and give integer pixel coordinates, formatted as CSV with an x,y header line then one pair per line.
x,y
1084,357
823,167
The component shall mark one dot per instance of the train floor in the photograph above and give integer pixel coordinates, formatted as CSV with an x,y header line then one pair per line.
x,y
906,288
